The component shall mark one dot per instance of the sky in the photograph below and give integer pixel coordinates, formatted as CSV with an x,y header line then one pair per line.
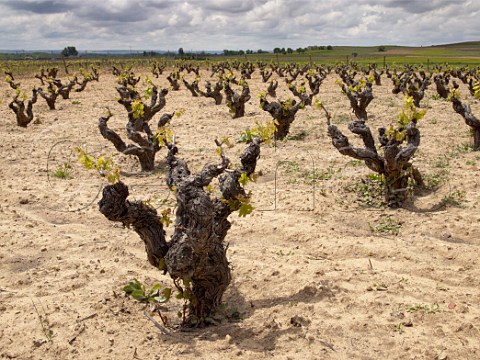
x,y
197,25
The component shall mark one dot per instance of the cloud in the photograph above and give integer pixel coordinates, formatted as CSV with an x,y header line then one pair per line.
x,y
230,6
234,24
418,6
38,7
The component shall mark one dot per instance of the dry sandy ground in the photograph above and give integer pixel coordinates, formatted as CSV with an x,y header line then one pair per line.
x,y
316,275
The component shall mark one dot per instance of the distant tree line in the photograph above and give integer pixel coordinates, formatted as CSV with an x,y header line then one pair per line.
x,y
300,50
227,52
71,51
276,50
316,47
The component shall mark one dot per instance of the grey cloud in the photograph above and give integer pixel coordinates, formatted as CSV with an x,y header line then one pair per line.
x,y
103,14
418,6
158,4
229,6
39,7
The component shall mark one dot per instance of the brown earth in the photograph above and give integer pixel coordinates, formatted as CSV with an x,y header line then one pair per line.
x,y
316,275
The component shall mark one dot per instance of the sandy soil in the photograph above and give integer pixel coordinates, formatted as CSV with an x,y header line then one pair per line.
x,y
316,274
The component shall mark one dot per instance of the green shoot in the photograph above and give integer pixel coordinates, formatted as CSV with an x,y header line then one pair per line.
x,y
264,131
408,114
476,90
242,204
103,165
179,112
155,295
165,216
244,179
164,135
138,108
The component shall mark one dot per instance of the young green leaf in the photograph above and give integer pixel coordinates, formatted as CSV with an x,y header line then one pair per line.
x,y
244,179
245,209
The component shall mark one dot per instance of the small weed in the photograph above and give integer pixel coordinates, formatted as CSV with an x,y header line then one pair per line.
x,y
302,135
313,175
76,102
289,166
454,198
375,177
370,191
231,313
44,322
470,162
342,119
281,253
308,176
442,162
356,163
390,103
426,309
387,225
434,180
463,149
380,286
399,328
442,288
63,171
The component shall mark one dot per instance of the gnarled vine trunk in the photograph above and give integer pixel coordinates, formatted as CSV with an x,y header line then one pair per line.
x,y
470,119
283,112
395,163
235,101
215,94
196,251
23,113
138,128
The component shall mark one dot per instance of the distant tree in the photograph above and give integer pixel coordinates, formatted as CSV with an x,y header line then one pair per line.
x,y
70,51
300,50
354,54
181,52
329,47
382,48
150,54
277,50
290,50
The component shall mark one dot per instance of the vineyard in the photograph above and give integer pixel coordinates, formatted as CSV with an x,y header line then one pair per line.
x,y
239,209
